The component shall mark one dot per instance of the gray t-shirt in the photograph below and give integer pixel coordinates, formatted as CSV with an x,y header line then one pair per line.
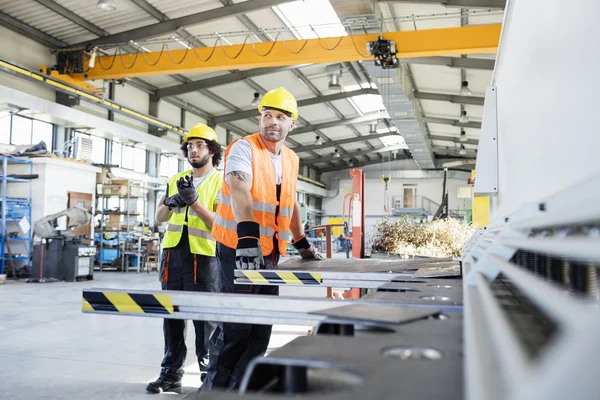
x,y
240,159
199,180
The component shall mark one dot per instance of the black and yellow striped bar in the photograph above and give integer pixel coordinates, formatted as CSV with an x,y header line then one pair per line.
x,y
262,277
132,303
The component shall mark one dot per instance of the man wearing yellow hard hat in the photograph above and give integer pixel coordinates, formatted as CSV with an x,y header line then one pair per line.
x,y
257,216
188,259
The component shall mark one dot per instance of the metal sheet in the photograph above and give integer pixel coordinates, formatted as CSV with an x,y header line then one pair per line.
x,y
438,271
380,314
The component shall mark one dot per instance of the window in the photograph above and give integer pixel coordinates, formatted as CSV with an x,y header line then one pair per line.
x,y
21,130
5,128
98,149
115,157
139,160
127,157
18,130
42,131
169,166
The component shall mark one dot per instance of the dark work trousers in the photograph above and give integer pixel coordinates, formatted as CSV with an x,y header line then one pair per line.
x,y
183,270
233,346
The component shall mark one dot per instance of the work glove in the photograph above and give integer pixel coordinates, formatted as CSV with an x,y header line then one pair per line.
x,y
174,201
186,190
248,254
306,250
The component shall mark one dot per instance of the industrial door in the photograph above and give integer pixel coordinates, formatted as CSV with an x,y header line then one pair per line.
x,y
81,200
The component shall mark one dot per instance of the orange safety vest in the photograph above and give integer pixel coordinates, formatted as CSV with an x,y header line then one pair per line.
x,y
264,199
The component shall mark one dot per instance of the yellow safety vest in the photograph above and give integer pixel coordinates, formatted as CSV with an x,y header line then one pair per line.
x,y
201,241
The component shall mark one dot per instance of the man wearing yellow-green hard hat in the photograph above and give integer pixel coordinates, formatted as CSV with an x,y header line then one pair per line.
x,y
188,258
257,217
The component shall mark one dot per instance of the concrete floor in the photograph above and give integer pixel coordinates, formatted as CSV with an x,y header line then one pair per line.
x,y
49,349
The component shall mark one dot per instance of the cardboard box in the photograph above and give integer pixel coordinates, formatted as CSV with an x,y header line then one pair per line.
x,y
104,176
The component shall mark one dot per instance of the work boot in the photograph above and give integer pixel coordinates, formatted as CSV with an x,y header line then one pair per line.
x,y
165,383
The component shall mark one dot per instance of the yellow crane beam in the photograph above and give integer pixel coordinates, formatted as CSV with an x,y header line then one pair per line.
x,y
425,43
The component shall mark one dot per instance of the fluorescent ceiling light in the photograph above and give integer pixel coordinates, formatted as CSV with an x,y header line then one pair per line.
x,y
394,141
106,5
464,89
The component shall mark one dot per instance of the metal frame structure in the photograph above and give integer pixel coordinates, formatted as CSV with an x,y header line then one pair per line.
x,y
538,340
13,209
164,22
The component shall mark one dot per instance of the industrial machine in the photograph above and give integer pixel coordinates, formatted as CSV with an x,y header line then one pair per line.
x,y
60,254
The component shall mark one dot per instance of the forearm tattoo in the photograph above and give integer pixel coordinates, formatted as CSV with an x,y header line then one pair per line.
x,y
242,176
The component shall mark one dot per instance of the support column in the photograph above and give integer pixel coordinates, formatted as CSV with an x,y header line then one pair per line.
x,y
228,137
111,96
183,115
153,111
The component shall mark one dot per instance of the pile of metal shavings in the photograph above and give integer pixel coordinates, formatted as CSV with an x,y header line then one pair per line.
x,y
439,238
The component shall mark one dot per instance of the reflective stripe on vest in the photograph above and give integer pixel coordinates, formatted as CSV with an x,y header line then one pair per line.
x,y
232,226
286,211
256,205
265,201
174,228
199,235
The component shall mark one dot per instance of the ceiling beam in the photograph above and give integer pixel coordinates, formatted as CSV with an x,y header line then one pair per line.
x,y
26,30
218,81
452,122
301,103
333,143
488,4
470,100
454,139
71,16
340,122
311,161
358,164
452,62
169,26
443,151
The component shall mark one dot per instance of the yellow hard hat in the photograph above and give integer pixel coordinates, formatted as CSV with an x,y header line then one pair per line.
x,y
280,99
201,131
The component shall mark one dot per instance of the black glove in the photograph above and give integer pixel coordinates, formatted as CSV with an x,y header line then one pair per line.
x,y
306,250
248,254
174,201
186,190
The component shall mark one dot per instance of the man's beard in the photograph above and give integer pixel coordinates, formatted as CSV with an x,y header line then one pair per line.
x,y
201,163
273,136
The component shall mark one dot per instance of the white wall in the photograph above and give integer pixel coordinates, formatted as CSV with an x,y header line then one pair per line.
x,y
547,83
135,99
169,113
28,53
56,179
375,196
191,120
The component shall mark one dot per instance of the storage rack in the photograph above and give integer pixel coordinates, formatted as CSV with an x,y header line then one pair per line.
x,y
124,235
14,209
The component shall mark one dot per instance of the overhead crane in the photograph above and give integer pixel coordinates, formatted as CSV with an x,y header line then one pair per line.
x,y
354,47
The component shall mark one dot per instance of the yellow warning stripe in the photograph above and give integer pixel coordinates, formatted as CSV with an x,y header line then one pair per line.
x,y
270,277
124,303
132,303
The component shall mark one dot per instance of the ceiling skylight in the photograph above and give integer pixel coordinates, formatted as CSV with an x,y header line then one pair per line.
x,y
394,141
300,17
366,103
